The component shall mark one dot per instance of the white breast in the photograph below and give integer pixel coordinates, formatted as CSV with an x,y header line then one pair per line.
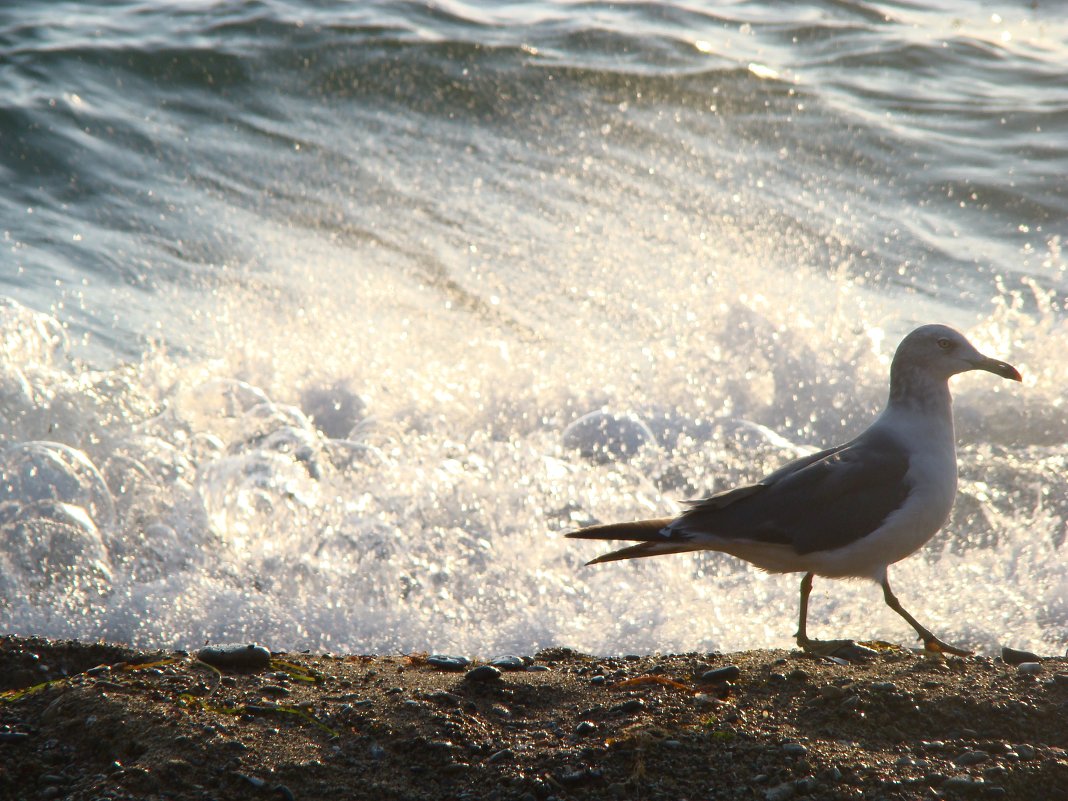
x,y
932,477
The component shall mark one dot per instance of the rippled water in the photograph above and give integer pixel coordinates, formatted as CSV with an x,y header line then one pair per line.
x,y
321,316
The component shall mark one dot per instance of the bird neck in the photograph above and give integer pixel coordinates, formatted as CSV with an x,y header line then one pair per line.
x,y
916,391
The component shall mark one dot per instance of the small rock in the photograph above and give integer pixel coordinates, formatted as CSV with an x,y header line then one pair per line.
x,y
794,749
508,662
1029,668
501,711
575,778
963,784
850,702
538,668
274,690
704,701
723,674
235,656
445,662
483,673
585,728
629,707
807,784
501,756
884,686
444,698
781,792
971,758
1025,751
1010,656
597,680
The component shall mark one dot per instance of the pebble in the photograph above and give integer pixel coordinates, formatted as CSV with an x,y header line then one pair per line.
x,y
806,784
1029,668
781,792
794,749
1010,656
500,756
832,692
971,758
445,662
275,690
444,698
1025,751
585,728
723,674
508,662
538,668
629,707
236,656
574,778
598,680
483,673
964,784
1060,679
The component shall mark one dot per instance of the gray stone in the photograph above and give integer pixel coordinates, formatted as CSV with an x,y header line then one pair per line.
x,y
245,656
445,662
483,673
723,674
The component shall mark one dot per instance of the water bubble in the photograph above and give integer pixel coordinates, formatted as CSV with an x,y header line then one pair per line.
x,y
31,472
604,436
54,546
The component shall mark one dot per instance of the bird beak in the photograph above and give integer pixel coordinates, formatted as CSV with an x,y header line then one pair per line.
x,y
1002,369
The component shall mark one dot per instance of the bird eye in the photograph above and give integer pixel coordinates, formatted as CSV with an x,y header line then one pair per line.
x,y
945,344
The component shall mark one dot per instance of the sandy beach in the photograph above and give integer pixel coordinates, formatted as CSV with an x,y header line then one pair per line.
x,y
95,721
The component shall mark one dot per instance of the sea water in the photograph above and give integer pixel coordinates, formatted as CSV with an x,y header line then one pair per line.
x,y
322,322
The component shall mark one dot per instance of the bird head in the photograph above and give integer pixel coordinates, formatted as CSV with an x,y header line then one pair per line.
x,y
940,352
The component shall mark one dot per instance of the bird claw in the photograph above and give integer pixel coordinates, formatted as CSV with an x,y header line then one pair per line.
x,y
839,649
935,645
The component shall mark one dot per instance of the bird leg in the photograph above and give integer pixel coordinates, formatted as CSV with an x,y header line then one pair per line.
x,y
930,642
802,623
843,649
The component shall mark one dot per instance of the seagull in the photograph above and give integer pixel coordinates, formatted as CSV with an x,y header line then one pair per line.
x,y
847,512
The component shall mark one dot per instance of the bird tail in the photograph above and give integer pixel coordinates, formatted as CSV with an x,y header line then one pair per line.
x,y
652,541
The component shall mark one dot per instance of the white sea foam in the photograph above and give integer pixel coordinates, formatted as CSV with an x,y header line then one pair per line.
x,y
418,499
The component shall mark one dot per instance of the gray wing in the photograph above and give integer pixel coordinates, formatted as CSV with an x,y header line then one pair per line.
x,y
822,501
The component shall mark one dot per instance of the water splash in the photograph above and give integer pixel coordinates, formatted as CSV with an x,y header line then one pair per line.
x,y
424,508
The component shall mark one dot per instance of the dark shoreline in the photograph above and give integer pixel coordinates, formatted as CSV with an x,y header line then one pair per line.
x,y
93,721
